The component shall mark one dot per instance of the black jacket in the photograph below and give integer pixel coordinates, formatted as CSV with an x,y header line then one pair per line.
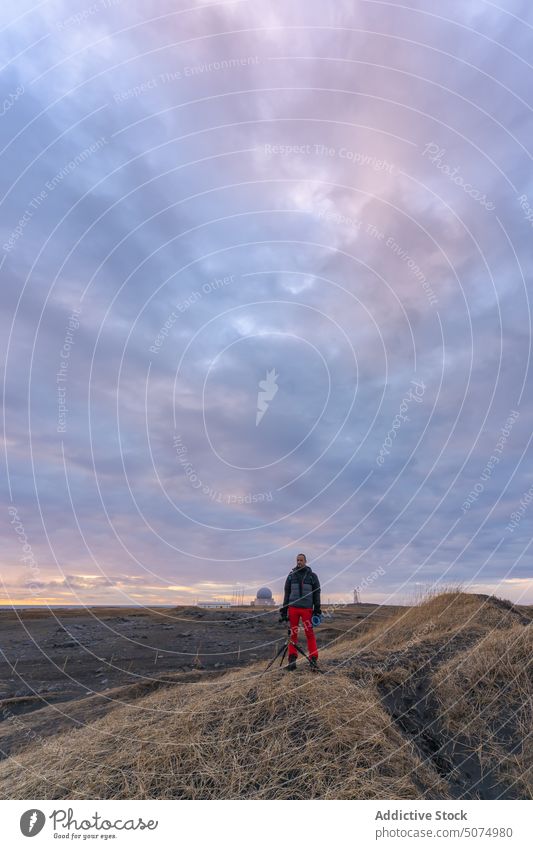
x,y
302,589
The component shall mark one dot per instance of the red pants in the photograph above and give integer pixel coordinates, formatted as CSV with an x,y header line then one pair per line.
x,y
294,619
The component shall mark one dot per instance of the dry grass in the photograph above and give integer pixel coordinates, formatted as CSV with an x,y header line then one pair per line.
x,y
437,617
240,737
487,697
449,613
302,736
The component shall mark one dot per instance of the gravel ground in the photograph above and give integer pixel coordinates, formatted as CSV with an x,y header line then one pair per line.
x,y
59,654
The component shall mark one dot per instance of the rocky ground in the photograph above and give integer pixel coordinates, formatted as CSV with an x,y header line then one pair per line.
x,y
56,655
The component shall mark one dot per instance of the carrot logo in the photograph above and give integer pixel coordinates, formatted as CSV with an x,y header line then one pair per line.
x,y
32,822
267,390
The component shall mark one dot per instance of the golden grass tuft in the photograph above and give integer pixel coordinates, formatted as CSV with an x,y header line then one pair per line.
x,y
437,617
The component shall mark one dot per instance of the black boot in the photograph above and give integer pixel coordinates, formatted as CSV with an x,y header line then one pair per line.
x,y
291,666
313,662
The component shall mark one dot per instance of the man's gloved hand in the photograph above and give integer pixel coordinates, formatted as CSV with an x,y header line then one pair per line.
x,y
283,614
317,611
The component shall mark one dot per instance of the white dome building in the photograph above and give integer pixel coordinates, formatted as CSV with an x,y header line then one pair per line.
x,y
264,598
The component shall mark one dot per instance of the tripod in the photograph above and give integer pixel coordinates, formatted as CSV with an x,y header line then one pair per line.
x,y
283,651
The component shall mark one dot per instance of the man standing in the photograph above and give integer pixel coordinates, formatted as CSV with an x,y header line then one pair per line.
x,y
301,601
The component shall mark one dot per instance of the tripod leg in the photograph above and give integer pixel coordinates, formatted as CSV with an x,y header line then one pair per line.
x,y
297,647
282,649
287,644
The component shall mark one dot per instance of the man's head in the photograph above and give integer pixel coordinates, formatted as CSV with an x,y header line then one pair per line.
x,y
301,561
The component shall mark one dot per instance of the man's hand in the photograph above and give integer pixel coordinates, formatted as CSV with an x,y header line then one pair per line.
x,y
283,614
317,611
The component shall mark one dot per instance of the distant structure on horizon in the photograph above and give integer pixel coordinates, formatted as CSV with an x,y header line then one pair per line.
x,y
356,599
218,602
263,598
237,599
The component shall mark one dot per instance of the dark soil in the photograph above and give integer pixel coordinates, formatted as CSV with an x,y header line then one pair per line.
x,y
51,656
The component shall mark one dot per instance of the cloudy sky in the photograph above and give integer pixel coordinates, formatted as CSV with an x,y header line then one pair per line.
x,y
266,276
